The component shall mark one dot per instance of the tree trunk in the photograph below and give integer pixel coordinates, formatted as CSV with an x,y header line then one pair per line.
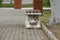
x,y
55,11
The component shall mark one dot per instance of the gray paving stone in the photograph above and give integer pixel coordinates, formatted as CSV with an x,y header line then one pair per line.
x,y
12,26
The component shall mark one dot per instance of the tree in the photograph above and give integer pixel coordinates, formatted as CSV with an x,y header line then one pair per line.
x,y
55,12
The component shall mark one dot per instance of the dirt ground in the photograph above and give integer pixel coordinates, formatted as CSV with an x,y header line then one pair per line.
x,y
55,29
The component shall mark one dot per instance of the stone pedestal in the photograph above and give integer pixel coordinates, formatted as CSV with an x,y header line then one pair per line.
x,y
32,19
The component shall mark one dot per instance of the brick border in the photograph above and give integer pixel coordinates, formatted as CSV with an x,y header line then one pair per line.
x,y
48,33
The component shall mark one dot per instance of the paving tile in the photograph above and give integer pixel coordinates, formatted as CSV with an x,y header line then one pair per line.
x,y
12,27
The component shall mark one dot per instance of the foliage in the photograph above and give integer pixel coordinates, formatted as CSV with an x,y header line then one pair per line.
x,y
46,3
12,5
45,17
0,3
27,5
7,5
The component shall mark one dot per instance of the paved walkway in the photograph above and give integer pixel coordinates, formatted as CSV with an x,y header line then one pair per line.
x,y
19,32
12,26
12,16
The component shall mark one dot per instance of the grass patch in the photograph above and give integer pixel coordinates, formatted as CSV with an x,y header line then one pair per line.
x,y
12,5
7,5
23,5
45,17
27,5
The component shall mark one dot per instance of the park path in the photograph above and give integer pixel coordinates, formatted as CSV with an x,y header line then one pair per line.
x,y
12,26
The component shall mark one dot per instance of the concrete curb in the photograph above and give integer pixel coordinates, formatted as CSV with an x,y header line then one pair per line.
x,y
48,33
44,8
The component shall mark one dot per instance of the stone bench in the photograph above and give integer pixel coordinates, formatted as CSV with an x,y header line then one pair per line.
x,y
32,19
